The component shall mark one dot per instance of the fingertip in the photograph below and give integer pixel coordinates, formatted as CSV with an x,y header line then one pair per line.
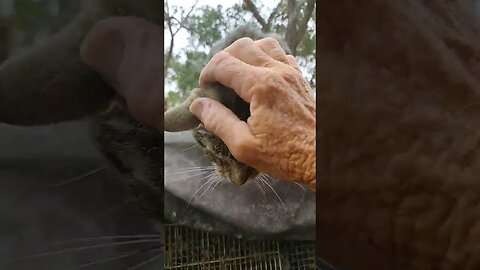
x,y
201,79
207,75
102,50
197,107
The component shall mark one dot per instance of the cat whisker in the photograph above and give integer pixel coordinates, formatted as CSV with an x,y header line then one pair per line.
x,y
71,180
200,188
201,157
190,176
187,169
270,186
189,148
109,259
299,185
113,237
78,249
191,170
209,181
220,179
194,167
268,177
214,181
258,181
138,266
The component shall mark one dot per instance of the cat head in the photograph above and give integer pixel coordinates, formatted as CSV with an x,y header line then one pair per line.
x,y
180,118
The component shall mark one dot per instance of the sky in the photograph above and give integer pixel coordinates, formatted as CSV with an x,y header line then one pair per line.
x,y
181,38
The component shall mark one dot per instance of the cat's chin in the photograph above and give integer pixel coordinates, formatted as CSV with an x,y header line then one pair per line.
x,y
238,176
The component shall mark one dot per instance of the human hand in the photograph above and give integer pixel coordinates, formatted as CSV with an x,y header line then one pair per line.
x,y
127,53
279,137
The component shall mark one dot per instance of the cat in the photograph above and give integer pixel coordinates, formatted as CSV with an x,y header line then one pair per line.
x,y
60,87
180,119
49,83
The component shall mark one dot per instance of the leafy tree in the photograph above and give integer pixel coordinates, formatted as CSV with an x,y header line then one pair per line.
x,y
205,25
25,22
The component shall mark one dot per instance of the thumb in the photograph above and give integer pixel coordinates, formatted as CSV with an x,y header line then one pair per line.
x,y
103,50
222,122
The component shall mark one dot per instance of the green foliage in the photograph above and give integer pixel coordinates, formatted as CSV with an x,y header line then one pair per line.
x,y
207,24
173,98
186,74
34,17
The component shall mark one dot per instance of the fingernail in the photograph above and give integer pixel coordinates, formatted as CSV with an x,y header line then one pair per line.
x,y
197,108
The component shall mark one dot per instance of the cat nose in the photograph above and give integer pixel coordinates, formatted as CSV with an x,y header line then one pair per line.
x,y
236,178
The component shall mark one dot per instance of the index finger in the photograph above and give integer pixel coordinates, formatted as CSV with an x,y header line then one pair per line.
x,y
233,73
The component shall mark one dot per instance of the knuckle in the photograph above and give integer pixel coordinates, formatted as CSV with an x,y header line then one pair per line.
x,y
291,58
244,41
239,44
270,41
219,57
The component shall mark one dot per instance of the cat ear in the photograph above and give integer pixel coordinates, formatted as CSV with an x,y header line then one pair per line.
x,y
180,118
49,83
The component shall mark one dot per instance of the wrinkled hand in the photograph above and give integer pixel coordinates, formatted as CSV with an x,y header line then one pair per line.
x,y
279,136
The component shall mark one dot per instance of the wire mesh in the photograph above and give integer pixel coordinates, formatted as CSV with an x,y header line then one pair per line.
x,y
189,249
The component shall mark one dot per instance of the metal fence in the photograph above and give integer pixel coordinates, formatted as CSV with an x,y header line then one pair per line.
x,y
189,249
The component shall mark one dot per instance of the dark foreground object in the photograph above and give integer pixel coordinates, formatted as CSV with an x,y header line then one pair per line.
x,y
39,216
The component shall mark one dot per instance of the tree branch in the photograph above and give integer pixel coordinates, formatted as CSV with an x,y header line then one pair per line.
x,y
291,32
191,10
302,28
250,6
296,31
273,15
169,56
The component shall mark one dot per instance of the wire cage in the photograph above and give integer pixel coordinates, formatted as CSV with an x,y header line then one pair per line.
x,y
190,249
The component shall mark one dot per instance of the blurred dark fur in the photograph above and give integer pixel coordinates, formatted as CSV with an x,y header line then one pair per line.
x,y
49,83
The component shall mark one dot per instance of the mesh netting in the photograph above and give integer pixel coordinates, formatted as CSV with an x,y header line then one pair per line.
x,y
190,249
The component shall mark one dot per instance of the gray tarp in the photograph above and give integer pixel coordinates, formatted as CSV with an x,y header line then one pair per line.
x,y
251,210
34,212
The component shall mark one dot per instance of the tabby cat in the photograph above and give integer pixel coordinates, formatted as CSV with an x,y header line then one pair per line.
x,y
49,83
180,118
60,87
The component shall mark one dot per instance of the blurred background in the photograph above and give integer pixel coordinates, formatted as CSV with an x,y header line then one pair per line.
x,y
62,206
192,26
26,22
